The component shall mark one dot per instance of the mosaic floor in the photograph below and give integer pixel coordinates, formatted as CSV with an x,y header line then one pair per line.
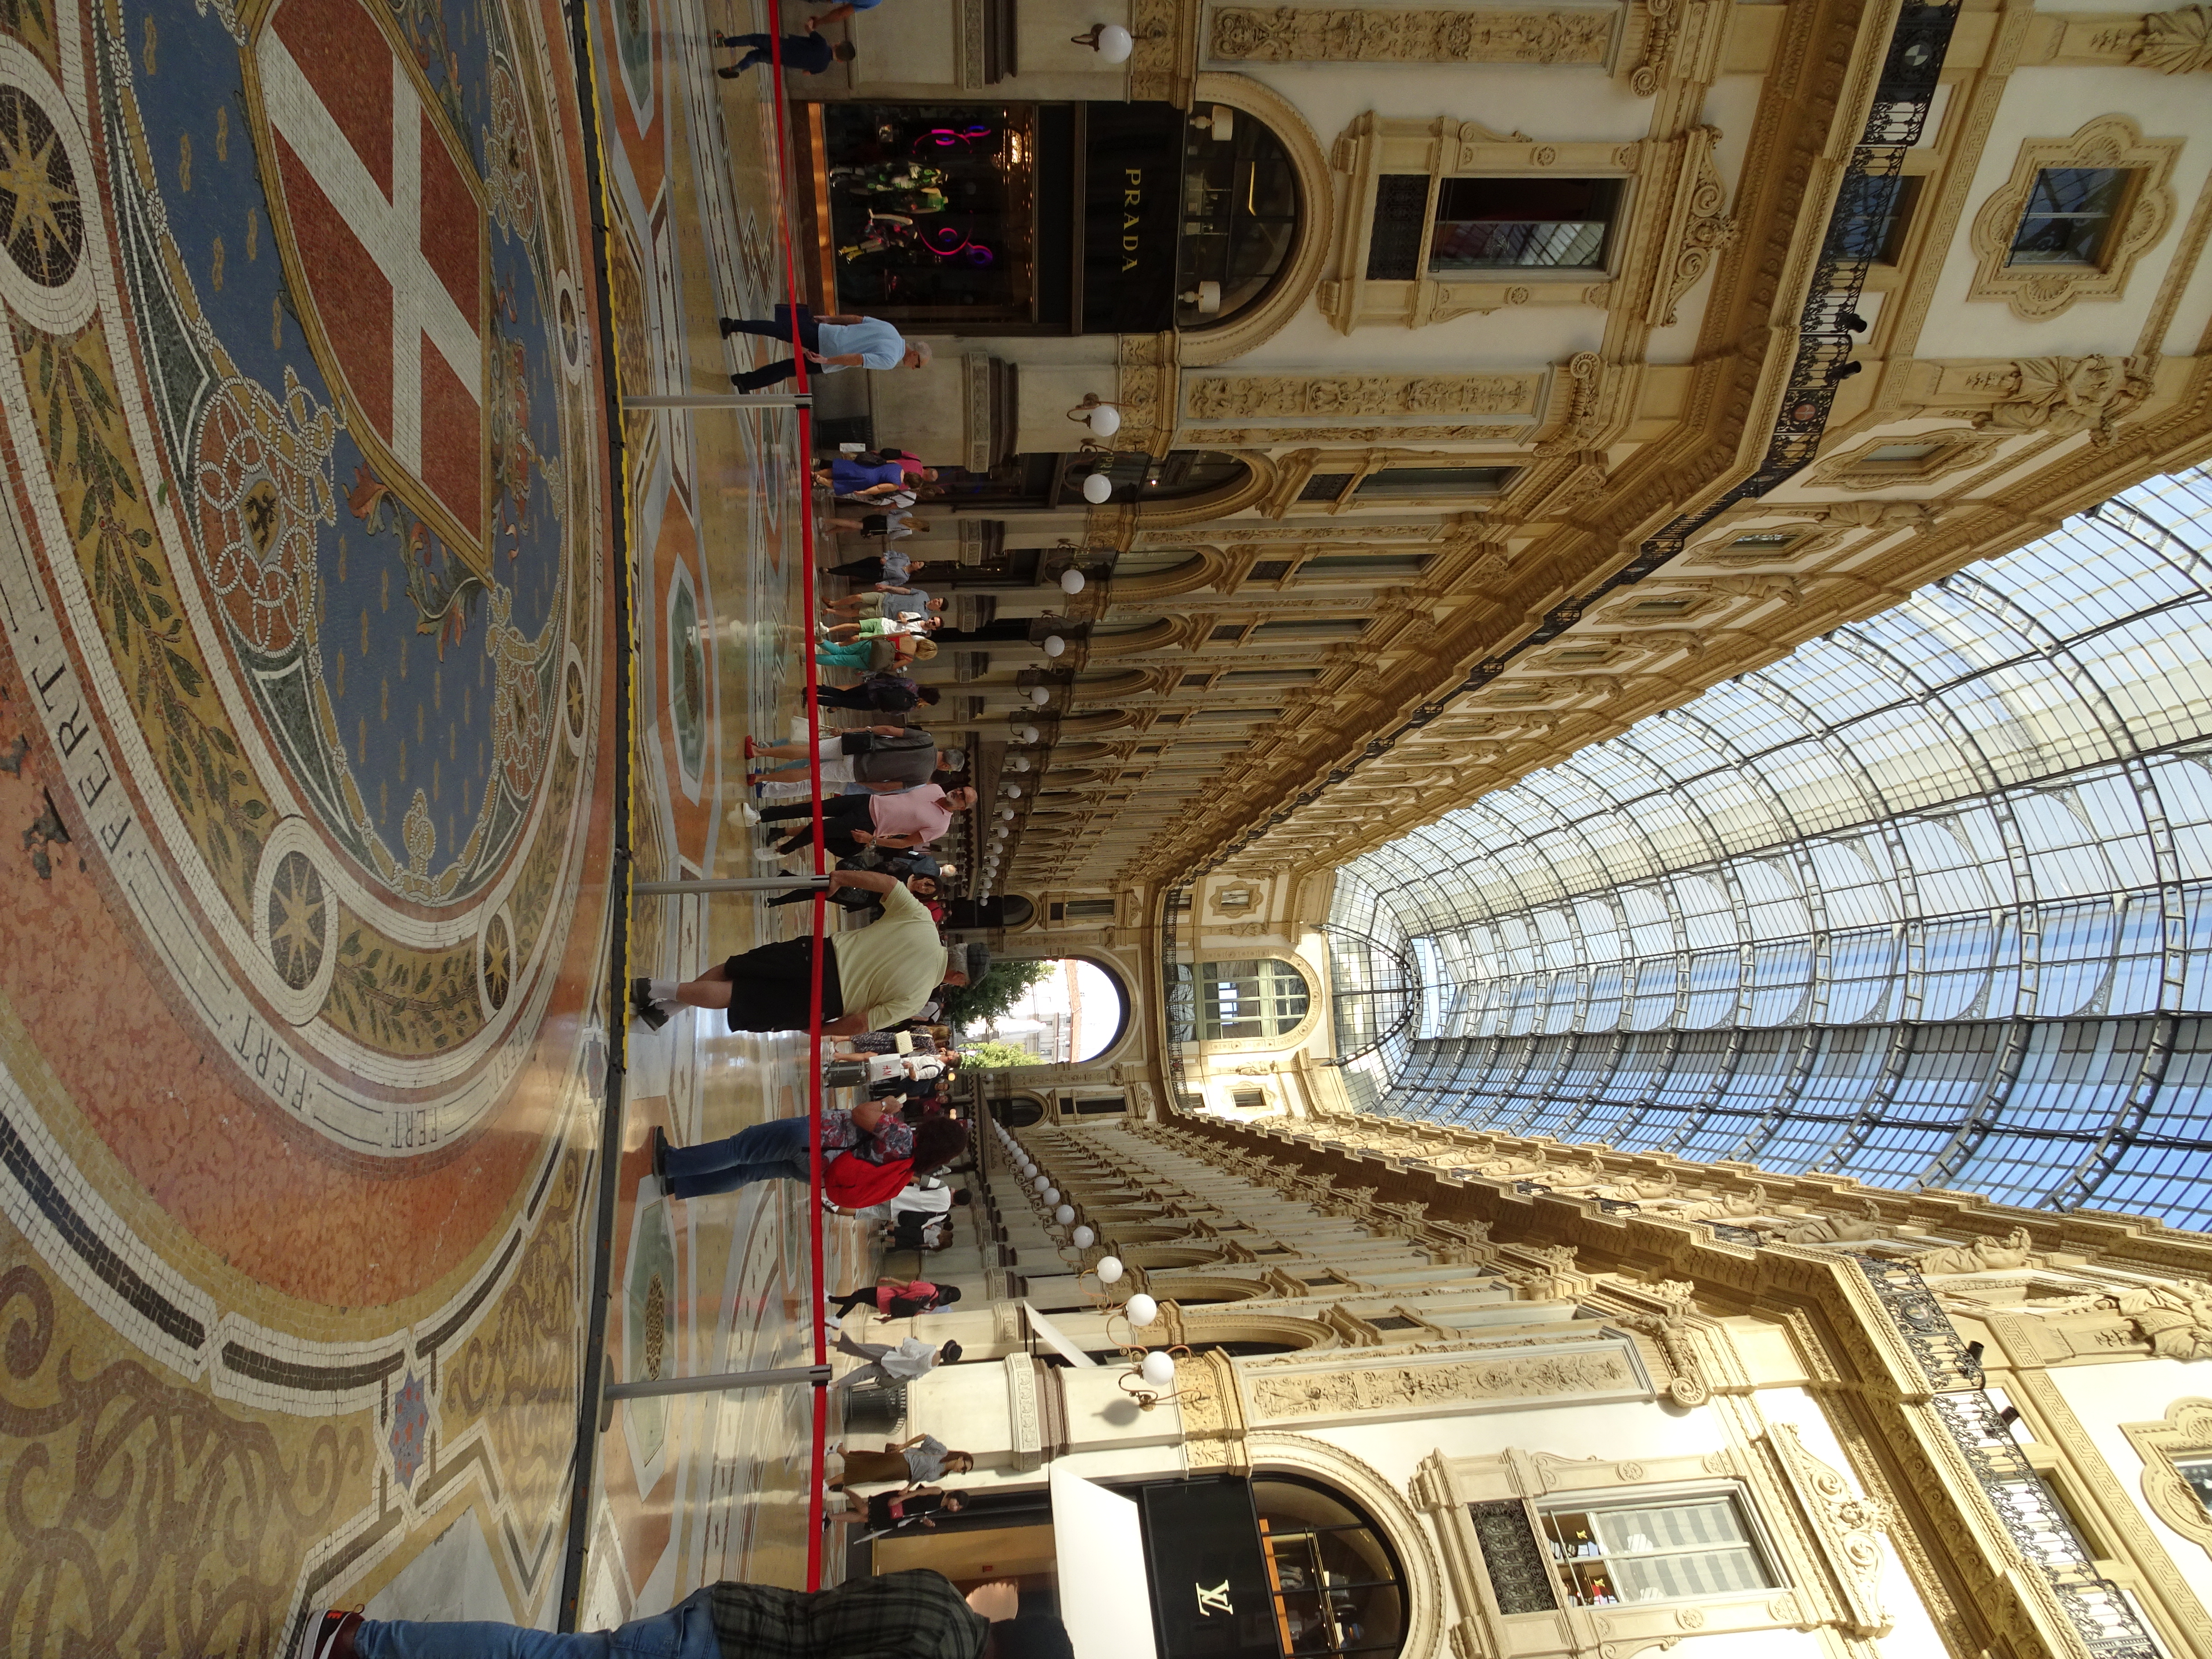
x,y
306,760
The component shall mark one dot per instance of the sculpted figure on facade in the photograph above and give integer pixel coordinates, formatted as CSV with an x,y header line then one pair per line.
x,y
1723,1206
2176,1320
1828,1228
2177,42
1498,1168
2064,396
1983,1256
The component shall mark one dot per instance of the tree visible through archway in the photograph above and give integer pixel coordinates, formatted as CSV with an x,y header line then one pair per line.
x,y
1069,1010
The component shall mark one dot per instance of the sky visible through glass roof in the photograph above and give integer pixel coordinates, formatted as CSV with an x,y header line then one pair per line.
x,y
1929,901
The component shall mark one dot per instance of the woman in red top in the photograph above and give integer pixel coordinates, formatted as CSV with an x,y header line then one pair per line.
x,y
894,1300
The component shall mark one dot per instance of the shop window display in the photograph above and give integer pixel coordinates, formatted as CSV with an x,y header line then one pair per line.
x,y
932,210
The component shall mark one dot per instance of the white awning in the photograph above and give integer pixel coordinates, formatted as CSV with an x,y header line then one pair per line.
x,y
1105,1592
1057,1339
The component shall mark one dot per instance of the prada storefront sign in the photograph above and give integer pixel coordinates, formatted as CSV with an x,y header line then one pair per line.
x,y
1133,190
1210,1593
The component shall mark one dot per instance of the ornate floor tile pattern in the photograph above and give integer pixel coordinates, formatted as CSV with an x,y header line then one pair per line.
x,y
305,710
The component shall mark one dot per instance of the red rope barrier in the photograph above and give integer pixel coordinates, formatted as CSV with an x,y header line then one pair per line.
x,y
817,1463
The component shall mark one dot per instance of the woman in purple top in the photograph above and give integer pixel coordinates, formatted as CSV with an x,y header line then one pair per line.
x,y
851,477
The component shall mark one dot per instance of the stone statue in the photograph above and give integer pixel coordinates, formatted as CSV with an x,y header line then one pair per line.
x,y
1508,1166
1825,1229
2176,1320
1982,1255
1727,1206
1641,1189
2066,395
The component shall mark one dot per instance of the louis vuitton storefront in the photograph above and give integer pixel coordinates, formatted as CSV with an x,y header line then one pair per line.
x,y
1272,1566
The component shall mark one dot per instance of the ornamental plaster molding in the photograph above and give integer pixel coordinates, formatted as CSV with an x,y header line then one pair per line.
x,y
2037,293
2177,42
1381,396
1316,34
1441,1383
2185,1431
1957,450
1697,228
1846,1526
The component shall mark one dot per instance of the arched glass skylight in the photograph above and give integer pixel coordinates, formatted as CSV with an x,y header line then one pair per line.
x,y
1925,903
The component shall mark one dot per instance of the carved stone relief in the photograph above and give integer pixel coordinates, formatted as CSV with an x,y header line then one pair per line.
x,y
1330,34
2176,1320
1252,436
1248,397
1844,1525
1145,390
2066,395
2036,292
1982,1256
2186,1431
1387,1387
2176,42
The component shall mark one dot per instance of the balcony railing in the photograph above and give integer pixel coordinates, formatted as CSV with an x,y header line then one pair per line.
x,y
1902,100
2030,1512
2031,1515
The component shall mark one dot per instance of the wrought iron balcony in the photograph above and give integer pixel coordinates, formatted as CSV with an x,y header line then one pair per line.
x,y
1946,1361
2103,1620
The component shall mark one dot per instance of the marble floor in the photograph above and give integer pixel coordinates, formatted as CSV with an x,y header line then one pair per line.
x,y
310,763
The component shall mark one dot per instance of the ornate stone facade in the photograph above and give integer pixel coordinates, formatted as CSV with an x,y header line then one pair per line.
x,y
1383,397
1329,35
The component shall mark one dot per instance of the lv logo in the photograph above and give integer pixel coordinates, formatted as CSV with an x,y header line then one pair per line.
x,y
1211,1601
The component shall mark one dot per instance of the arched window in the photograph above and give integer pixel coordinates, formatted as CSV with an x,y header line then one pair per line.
x,y
1223,1001
1240,218
1139,479
1335,1580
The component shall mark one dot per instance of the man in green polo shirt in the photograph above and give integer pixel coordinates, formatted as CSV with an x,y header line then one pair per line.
x,y
872,978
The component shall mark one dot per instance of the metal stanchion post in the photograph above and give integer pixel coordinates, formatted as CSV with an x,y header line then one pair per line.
x,y
722,400
728,885
712,1383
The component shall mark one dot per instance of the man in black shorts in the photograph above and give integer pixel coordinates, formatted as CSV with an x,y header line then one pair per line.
x,y
872,978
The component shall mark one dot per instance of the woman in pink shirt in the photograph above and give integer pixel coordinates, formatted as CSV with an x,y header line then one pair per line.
x,y
913,817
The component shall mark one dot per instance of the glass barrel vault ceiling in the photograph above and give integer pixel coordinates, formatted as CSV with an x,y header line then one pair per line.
x,y
1928,903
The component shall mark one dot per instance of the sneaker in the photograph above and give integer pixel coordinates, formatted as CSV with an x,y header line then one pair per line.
x,y
831,1322
329,1635
657,1149
746,811
640,999
768,856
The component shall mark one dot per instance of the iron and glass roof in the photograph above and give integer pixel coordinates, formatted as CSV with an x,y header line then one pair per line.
x,y
1929,901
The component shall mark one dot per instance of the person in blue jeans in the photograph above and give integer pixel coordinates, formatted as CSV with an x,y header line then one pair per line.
x,y
915,1614
777,1150
805,54
830,343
